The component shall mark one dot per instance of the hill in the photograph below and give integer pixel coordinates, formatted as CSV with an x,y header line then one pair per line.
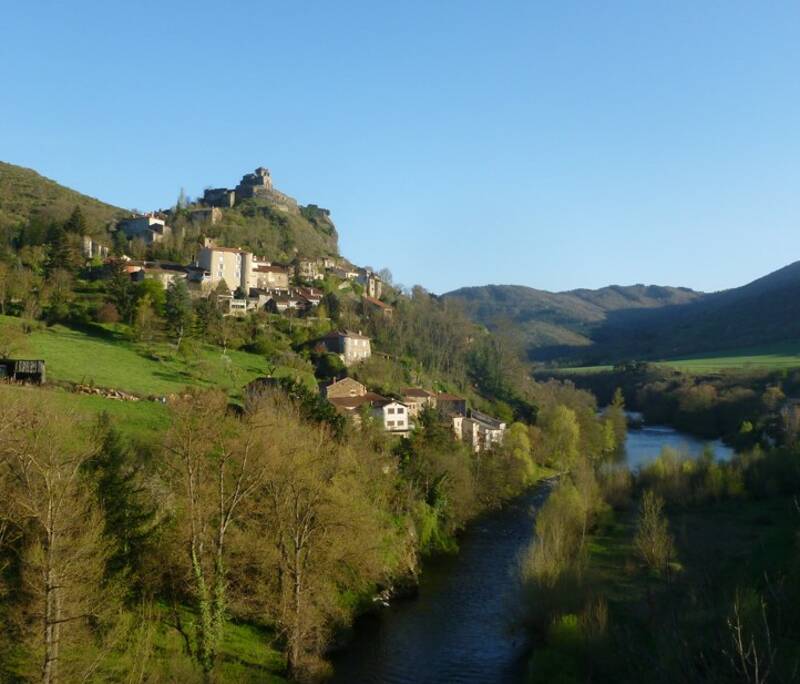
x,y
274,226
641,322
557,324
271,230
27,197
765,311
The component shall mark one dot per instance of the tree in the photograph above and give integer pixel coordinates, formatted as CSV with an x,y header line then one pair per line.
x,y
153,289
66,251
315,511
653,541
63,606
59,294
122,291
129,518
178,309
214,468
13,341
561,435
76,223
144,325
5,285
332,305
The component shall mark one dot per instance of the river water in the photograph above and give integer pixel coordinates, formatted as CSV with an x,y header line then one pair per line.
x,y
460,628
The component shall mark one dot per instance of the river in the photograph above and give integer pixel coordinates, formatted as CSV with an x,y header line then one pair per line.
x,y
460,627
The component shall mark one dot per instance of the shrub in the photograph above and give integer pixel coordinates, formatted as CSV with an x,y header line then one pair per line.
x,y
107,313
653,541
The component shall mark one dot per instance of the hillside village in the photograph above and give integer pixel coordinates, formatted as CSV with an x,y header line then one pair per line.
x,y
242,283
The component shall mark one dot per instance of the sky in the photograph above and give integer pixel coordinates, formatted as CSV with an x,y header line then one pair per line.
x,y
551,144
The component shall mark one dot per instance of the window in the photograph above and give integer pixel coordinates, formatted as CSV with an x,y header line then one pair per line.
x,y
401,410
389,423
391,410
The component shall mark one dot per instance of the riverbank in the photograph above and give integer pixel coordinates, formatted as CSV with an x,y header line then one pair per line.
x,y
705,612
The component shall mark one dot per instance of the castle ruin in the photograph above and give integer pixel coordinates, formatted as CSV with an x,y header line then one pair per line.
x,y
256,185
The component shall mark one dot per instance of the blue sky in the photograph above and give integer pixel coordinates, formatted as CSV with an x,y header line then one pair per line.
x,y
552,144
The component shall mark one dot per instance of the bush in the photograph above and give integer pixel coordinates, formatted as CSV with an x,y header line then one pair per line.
x,y
107,313
653,541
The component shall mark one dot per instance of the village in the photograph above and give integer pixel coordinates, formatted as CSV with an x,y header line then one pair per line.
x,y
244,283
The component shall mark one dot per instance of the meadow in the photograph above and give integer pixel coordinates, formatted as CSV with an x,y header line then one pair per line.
x,y
778,356
104,356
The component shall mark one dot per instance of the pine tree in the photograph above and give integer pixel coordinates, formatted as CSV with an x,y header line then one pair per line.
x,y
129,521
76,223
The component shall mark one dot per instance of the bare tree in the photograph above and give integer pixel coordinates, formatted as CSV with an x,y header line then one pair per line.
x,y
59,543
214,470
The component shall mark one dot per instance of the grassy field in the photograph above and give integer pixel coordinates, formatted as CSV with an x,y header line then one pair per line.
x,y
770,357
140,419
104,357
784,355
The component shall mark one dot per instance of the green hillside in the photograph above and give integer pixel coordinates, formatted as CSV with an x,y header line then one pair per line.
x,y
280,235
104,358
27,197
600,327
554,324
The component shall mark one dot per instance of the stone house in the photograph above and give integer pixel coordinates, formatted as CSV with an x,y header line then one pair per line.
x,y
308,269
479,431
148,228
350,346
377,306
346,387
312,294
451,404
210,215
417,399
92,249
267,276
371,282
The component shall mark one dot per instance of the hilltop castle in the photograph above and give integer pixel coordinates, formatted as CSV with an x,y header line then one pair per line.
x,y
252,185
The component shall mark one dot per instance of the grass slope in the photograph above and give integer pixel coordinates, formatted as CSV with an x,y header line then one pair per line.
x,y
26,196
103,357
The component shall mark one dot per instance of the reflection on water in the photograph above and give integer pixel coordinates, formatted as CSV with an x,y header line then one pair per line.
x,y
645,444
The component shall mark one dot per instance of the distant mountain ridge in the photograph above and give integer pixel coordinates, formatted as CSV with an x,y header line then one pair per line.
x,y
556,323
640,321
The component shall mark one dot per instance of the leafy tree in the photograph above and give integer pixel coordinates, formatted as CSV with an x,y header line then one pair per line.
x,y
561,432
178,309
153,289
144,325
59,294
